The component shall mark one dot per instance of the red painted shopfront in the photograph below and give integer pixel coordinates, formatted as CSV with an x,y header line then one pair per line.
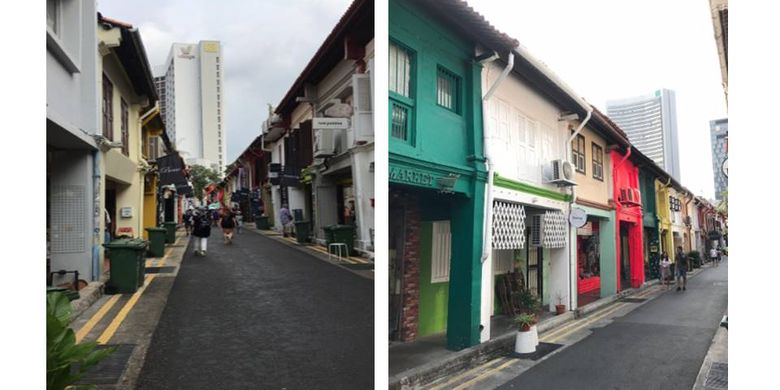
x,y
628,209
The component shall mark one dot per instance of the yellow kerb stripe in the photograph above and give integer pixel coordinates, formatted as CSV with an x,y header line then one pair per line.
x,y
84,331
114,325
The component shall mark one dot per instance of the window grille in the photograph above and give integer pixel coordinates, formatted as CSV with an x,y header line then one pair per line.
x,y
508,225
447,88
441,252
400,121
68,219
555,229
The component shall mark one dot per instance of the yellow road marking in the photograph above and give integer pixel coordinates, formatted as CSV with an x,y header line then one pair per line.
x,y
114,325
466,374
84,331
581,325
484,374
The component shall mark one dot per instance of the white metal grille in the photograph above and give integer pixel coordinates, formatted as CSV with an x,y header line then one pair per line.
x,y
508,225
441,251
68,218
554,230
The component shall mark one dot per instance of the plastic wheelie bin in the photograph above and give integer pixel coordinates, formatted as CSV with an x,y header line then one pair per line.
x,y
342,234
126,262
170,234
157,241
302,231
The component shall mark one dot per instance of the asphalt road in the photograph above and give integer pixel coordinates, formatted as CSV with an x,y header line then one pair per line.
x,y
660,345
261,315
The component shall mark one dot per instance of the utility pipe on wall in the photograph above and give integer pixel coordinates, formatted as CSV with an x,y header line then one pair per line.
x,y
97,212
488,225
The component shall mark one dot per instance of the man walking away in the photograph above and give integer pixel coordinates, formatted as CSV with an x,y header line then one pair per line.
x,y
286,218
239,220
201,231
227,223
665,265
681,268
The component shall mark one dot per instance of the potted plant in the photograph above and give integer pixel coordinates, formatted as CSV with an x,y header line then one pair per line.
x,y
527,338
560,308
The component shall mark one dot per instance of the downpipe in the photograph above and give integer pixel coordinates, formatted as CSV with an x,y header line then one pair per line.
x,y
487,232
97,210
567,149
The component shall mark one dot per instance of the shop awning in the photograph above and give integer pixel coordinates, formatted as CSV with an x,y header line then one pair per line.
x,y
171,169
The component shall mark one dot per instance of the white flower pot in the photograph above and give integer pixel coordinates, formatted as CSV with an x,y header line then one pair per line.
x,y
526,342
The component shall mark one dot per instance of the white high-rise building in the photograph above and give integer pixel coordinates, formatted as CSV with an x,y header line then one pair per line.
x,y
650,121
191,90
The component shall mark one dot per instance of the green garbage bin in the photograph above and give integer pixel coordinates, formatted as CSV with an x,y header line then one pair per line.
x,y
261,222
126,263
170,235
302,231
157,241
341,233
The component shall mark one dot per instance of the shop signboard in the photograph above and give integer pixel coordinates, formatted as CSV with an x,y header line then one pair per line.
x,y
578,217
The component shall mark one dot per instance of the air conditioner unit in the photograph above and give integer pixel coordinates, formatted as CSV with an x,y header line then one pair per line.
x,y
536,238
562,173
362,117
324,143
630,196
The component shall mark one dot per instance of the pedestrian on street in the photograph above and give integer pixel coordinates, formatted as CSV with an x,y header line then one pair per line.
x,y
286,218
188,221
239,220
665,265
681,268
201,230
227,223
714,256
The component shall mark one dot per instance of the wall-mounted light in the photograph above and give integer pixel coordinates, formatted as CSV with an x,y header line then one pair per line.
x,y
447,183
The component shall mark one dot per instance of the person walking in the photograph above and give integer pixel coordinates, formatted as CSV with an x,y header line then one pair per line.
x,y
227,223
665,266
714,256
201,230
239,220
286,218
188,221
681,268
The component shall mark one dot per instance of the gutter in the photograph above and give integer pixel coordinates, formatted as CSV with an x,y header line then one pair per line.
x,y
488,225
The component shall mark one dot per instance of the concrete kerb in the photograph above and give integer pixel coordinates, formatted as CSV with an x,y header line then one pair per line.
x,y
306,250
88,296
501,345
717,353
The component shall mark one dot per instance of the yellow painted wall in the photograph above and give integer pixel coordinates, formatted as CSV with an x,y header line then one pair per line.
x,y
664,216
587,187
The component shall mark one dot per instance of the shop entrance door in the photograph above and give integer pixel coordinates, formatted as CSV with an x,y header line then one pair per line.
x,y
396,270
625,259
534,277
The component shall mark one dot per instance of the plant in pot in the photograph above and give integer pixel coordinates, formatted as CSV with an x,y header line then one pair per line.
x,y
560,308
527,302
527,338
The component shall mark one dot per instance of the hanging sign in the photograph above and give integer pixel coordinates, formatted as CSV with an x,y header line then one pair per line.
x,y
330,123
578,217
725,167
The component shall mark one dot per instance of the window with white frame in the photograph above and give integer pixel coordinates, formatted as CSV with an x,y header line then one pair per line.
x,y
441,252
53,12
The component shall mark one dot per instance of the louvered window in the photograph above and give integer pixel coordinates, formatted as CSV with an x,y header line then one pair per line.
x,y
508,225
108,109
441,251
536,231
125,128
598,162
578,153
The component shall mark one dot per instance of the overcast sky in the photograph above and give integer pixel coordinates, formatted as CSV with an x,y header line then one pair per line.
x,y
265,45
614,49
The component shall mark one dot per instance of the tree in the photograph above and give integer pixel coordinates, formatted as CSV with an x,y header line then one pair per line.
x,y
723,206
201,177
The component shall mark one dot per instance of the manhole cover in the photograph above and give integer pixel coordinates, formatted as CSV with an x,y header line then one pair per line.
x,y
632,300
542,350
160,270
110,370
718,376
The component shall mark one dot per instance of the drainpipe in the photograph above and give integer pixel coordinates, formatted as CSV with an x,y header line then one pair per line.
x,y
97,210
628,153
488,225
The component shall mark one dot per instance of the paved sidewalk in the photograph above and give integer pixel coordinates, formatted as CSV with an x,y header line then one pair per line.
x,y
713,374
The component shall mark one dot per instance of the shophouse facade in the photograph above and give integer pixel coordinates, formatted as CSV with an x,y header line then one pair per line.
x,y
437,188
628,209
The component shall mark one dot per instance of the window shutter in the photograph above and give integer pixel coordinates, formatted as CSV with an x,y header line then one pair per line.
x,y
441,252
362,118
508,225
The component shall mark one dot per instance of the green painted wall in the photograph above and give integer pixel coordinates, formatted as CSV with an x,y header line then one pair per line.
x,y
647,189
433,296
607,249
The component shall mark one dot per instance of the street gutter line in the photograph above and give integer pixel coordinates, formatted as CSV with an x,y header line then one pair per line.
x,y
84,331
120,317
465,374
484,374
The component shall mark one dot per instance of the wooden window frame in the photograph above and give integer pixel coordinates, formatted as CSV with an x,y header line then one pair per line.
x,y
453,80
405,102
578,151
108,108
125,126
597,151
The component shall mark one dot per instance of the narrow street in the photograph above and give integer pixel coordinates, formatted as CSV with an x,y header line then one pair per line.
x,y
258,314
659,345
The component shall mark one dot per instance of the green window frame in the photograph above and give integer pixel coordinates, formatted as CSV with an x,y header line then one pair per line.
x,y
401,76
447,89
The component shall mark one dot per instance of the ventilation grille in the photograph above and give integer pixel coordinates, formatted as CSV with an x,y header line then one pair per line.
x,y
555,230
68,219
508,225
536,230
